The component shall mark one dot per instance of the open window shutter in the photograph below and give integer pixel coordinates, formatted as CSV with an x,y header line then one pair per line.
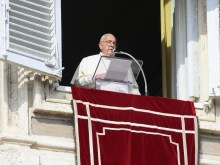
x,y
213,47
32,30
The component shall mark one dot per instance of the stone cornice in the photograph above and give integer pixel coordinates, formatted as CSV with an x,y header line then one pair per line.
x,y
38,142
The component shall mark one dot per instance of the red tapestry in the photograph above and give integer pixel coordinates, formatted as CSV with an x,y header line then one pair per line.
x,y
124,129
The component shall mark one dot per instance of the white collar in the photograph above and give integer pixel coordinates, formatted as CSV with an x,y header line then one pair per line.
x,y
101,54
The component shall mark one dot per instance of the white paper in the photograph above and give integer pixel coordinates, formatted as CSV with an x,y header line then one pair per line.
x,y
118,69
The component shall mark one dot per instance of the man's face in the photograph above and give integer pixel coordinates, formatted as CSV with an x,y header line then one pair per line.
x,y
107,45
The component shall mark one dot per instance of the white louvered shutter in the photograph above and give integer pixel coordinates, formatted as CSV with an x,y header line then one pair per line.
x,y
31,36
213,35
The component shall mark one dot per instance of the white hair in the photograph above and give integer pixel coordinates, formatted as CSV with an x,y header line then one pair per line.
x,y
102,38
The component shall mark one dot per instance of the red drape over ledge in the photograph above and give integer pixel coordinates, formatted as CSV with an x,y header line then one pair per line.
x,y
123,129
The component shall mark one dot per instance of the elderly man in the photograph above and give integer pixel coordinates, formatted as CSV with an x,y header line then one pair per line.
x,y
87,67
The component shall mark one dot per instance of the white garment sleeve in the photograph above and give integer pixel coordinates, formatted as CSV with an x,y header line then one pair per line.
x,y
83,77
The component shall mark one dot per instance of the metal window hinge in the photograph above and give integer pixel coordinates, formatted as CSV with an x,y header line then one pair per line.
x,y
4,55
51,62
60,71
7,15
8,9
208,104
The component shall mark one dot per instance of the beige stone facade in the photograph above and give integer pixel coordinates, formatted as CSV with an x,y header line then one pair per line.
x,y
36,121
36,116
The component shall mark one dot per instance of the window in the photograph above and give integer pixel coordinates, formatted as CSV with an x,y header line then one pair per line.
x,y
31,34
213,47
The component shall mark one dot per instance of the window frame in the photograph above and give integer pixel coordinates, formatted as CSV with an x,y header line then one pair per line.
x,y
213,47
29,61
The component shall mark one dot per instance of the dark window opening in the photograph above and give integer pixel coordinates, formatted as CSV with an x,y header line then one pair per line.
x,y
136,25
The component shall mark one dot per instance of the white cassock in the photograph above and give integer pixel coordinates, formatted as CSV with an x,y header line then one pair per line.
x,y
88,66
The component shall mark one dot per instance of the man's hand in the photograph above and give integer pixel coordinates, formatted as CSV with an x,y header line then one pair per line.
x,y
102,75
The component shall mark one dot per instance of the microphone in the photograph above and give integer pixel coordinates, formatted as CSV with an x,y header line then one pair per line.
x,y
116,51
145,82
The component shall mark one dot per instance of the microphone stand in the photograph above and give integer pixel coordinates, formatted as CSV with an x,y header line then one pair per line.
x,y
145,82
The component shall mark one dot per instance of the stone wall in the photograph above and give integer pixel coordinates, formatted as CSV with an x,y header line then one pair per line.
x,y
36,121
